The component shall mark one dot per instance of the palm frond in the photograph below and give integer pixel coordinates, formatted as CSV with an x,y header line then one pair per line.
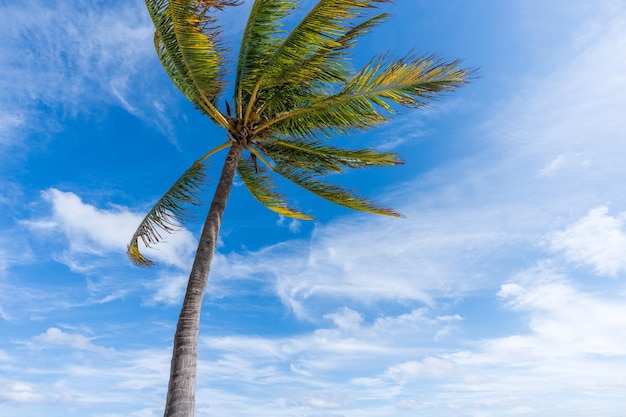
x,y
322,158
327,115
349,38
328,65
187,40
333,193
168,213
299,84
259,36
261,187
317,33
411,82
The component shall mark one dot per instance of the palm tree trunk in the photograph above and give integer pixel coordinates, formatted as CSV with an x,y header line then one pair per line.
x,y
182,385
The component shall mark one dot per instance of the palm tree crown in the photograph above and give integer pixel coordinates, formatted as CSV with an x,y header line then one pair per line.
x,y
291,91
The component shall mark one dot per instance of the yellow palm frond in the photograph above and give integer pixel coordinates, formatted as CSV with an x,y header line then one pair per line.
x,y
333,193
260,186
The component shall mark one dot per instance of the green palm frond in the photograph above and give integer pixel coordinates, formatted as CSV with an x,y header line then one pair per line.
x,y
328,64
311,55
261,187
333,193
319,72
327,115
259,36
188,45
317,33
168,213
411,82
322,158
349,38
283,99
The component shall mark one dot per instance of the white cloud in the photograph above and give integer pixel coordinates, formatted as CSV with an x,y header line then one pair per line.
x,y
5,358
91,231
350,343
367,259
84,377
430,367
564,320
573,348
10,123
88,228
20,300
346,318
4,315
552,166
292,224
406,128
170,289
597,240
19,392
320,400
177,249
572,352
57,337
569,355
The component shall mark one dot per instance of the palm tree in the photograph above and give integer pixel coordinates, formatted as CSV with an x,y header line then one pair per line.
x,y
291,91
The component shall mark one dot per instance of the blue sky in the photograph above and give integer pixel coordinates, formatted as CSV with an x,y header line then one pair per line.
x,y
500,293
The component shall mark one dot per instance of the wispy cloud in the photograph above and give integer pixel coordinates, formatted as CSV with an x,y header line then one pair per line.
x,y
597,240
169,289
572,348
66,59
13,251
86,378
564,320
16,392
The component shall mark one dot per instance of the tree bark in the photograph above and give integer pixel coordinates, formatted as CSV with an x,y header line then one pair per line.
x,y
182,385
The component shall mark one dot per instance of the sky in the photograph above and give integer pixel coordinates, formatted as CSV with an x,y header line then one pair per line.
x,y
501,292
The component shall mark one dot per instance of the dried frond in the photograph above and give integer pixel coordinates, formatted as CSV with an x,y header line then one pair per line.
x,y
135,255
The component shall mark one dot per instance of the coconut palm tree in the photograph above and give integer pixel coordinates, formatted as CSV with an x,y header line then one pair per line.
x,y
291,92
